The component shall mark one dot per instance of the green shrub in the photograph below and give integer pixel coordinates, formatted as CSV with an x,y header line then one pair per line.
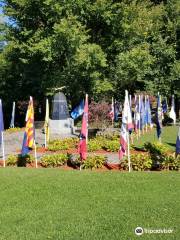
x,y
53,160
94,162
111,145
23,160
16,129
20,160
95,144
155,148
171,163
11,160
158,153
139,162
63,144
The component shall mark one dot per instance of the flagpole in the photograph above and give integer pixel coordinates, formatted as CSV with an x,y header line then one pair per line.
x,y
128,149
113,112
3,152
146,112
35,154
45,139
87,120
139,117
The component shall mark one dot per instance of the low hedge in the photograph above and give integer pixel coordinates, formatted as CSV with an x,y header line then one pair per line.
x,y
54,160
19,160
63,144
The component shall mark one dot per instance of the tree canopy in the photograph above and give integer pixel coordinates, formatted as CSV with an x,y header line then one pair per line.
x,y
99,47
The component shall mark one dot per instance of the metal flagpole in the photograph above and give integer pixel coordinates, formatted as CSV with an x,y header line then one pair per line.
x,y
3,152
139,117
35,154
146,112
128,151
112,105
87,123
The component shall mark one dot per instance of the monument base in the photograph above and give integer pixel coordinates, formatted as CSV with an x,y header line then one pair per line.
x,y
61,127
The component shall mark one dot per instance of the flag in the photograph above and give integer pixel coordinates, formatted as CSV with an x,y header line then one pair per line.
x,y
149,121
116,111
111,113
78,110
178,143
159,115
13,116
165,106
142,113
172,113
1,122
46,124
136,114
29,134
82,148
147,111
126,126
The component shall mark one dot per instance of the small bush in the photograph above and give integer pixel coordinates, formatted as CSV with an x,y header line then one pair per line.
x,y
139,162
95,144
16,129
11,160
155,148
54,160
158,153
23,160
111,145
19,160
63,144
94,162
171,163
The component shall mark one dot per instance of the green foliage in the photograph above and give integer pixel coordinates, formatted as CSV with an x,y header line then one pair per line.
x,y
11,160
171,163
156,148
99,47
139,162
95,144
94,162
19,160
23,160
16,129
63,144
53,160
111,145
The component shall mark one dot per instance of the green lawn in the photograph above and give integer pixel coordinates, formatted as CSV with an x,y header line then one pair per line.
x,y
55,204
168,137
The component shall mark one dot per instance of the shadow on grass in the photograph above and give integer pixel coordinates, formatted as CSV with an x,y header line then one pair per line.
x,y
141,149
171,144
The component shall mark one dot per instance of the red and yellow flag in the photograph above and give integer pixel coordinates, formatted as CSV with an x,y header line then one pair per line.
x,y
29,133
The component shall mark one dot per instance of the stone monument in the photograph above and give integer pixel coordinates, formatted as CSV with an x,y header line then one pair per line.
x,y
60,122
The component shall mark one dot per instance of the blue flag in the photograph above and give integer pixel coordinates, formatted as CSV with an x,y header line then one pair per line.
x,y
164,106
78,110
142,113
1,121
116,111
178,143
159,117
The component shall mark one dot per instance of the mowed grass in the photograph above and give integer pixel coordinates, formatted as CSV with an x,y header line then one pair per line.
x,y
57,204
168,137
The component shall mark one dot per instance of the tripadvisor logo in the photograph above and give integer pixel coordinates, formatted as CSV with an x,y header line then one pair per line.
x,y
139,231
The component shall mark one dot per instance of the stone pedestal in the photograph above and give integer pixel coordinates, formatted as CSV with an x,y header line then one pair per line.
x,y
60,127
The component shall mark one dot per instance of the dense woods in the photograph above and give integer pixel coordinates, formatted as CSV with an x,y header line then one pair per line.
x,y
97,47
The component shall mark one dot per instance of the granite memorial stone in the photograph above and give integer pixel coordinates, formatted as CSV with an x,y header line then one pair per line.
x,y
60,123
